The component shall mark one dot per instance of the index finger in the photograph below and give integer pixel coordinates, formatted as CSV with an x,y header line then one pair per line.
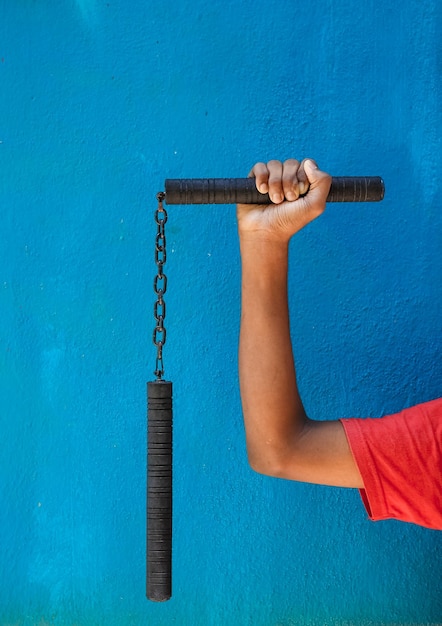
x,y
261,174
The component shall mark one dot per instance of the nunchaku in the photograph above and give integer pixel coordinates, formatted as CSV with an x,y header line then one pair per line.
x,y
159,391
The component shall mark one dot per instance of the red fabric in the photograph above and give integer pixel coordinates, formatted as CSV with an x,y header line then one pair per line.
x,y
400,460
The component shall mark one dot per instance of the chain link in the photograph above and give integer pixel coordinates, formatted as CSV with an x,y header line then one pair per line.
x,y
160,285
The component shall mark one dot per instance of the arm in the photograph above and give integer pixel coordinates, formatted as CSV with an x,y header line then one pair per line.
x,y
281,440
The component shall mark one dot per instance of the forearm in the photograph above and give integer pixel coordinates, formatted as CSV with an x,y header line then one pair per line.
x,y
281,440
273,411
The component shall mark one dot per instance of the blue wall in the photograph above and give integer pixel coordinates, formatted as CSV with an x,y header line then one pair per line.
x,y
100,102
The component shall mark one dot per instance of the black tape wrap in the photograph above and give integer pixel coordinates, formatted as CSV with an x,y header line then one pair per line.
x,y
159,490
243,190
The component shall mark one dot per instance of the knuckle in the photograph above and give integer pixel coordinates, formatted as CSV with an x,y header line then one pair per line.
x,y
259,169
291,163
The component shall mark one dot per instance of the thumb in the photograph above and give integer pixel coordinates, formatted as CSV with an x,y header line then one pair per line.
x,y
311,169
320,181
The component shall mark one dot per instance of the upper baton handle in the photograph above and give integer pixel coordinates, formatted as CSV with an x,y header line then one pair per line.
x,y
243,190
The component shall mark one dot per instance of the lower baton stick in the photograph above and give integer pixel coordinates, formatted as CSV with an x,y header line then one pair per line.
x,y
159,490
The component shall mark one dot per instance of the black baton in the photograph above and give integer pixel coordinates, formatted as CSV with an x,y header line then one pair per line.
x,y
159,490
243,190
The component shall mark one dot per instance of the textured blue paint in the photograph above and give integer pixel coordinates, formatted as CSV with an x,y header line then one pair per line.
x,y
101,101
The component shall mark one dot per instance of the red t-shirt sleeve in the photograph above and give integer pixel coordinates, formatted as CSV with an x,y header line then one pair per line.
x,y
400,460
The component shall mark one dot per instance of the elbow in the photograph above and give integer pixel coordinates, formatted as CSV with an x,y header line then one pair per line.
x,y
268,464
282,459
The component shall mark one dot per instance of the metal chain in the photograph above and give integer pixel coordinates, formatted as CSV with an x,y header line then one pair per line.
x,y
160,285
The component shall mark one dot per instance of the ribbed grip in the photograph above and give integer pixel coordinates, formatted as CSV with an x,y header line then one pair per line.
x,y
243,190
159,490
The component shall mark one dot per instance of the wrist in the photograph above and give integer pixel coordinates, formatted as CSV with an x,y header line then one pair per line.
x,y
263,244
263,257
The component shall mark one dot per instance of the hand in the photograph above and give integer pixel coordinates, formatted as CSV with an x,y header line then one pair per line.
x,y
298,190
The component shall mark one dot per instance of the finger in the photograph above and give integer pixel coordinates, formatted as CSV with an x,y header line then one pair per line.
x,y
290,179
312,172
319,181
276,191
261,175
303,180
